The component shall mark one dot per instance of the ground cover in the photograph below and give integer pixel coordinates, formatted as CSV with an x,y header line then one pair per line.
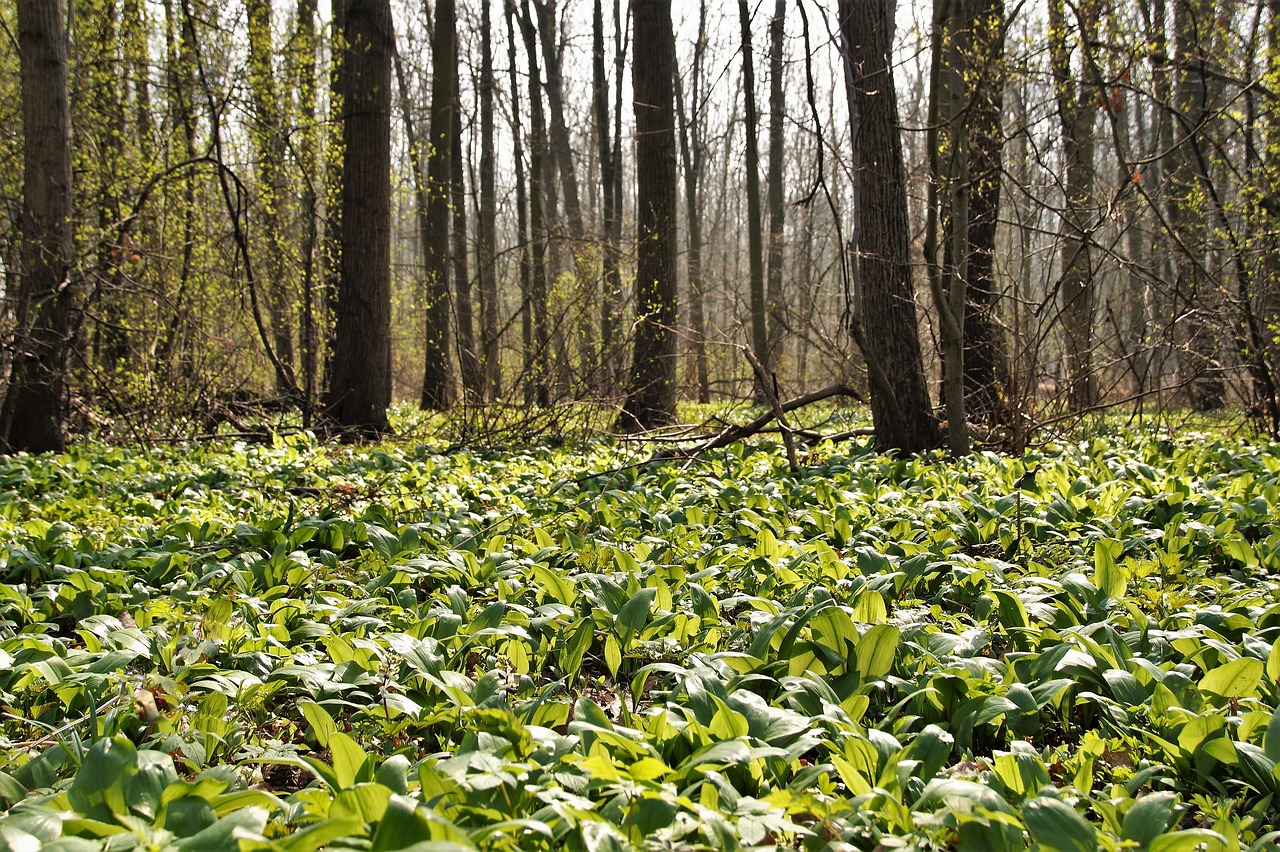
x,y
305,645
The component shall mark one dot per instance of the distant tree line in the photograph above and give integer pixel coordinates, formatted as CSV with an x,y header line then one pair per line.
x,y
987,217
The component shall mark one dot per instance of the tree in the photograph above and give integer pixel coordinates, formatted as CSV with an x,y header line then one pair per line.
x,y
486,247
651,394
755,226
887,326
48,294
774,298
537,390
691,156
1077,103
435,247
360,385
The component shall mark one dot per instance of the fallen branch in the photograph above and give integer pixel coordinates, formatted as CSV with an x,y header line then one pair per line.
x,y
733,433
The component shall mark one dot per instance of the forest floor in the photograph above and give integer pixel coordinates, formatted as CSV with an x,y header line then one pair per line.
x,y
575,645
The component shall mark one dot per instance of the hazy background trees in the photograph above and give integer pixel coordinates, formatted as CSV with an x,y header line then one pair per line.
x,y
1089,210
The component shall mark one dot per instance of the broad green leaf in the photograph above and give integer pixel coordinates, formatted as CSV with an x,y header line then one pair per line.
x,y
576,647
1236,679
408,822
1056,827
348,759
1149,817
98,790
876,650
322,726
1108,576
227,833
612,655
634,613
1190,840
364,802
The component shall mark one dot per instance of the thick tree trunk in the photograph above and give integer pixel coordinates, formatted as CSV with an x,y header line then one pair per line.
x,y
304,51
436,389
360,388
651,397
900,406
48,307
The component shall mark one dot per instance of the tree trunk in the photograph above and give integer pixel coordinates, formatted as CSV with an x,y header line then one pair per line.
x,y
360,388
755,227
1077,113
691,149
268,138
522,214
651,397
468,358
436,389
304,51
900,406
537,391
610,347
486,249
31,418
774,296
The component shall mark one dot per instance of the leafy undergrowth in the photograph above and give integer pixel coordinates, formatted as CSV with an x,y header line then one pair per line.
x,y
306,645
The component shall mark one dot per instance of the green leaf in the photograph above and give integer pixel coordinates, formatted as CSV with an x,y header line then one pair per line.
x,y
364,802
98,790
1149,817
322,725
394,774
321,834
634,613
226,833
1108,577
407,822
1237,679
1056,827
349,759
612,655
1190,840
876,650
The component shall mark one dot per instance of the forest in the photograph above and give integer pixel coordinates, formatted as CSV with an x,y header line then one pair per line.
x,y
559,424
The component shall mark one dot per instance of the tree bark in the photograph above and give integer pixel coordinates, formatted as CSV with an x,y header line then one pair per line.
x,y
775,298
360,388
436,390
31,418
691,152
651,398
1077,113
522,213
755,226
900,406
538,390
609,346
486,249
468,358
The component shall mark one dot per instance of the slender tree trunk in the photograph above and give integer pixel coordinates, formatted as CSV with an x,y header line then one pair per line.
x,y
360,388
1077,113
539,195
900,407
304,50
774,296
691,159
268,139
651,397
468,358
486,252
755,226
436,390
609,319
48,307
984,67
522,214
